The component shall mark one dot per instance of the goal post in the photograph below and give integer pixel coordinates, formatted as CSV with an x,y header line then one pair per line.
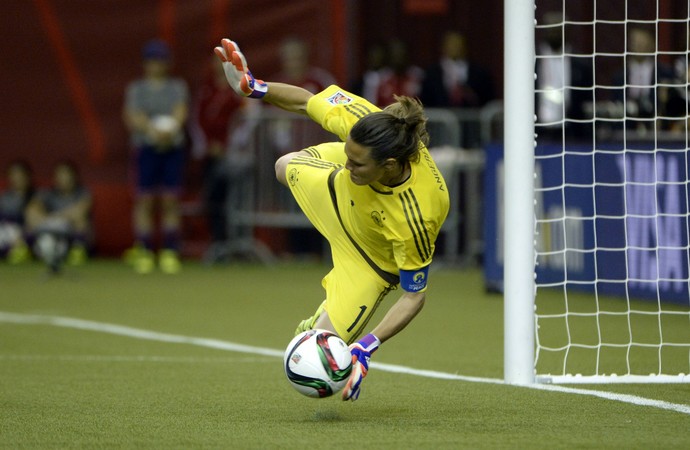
x,y
596,191
519,192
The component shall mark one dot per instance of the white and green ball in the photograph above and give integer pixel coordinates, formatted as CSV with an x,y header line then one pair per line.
x,y
317,363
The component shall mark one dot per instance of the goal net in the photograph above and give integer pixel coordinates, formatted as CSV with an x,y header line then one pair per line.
x,y
611,191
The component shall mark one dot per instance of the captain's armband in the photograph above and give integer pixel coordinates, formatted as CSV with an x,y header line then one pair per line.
x,y
414,280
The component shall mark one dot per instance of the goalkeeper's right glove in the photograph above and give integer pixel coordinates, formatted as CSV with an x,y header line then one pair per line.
x,y
361,353
236,71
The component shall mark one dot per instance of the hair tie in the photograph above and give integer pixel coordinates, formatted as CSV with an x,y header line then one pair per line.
x,y
401,120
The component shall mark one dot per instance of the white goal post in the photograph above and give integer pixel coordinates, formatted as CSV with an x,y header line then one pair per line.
x,y
596,191
518,73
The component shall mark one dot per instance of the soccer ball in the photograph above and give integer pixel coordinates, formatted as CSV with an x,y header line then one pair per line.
x,y
164,124
52,249
317,363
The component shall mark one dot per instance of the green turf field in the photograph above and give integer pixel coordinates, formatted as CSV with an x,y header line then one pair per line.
x,y
78,383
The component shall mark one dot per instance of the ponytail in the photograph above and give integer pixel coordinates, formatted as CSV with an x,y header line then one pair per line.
x,y
396,132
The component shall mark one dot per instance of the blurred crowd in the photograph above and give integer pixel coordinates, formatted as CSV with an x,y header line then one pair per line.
x,y
644,96
51,222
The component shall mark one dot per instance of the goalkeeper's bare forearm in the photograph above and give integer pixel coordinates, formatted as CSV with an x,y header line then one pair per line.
x,y
288,97
399,315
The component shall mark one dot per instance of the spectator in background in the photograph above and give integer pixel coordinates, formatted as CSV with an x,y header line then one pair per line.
x,y
559,74
399,77
59,218
455,81
214,108
368,85
13,203
297,69
155,112
639,89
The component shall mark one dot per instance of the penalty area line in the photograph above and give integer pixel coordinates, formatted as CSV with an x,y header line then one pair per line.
x,y
137,333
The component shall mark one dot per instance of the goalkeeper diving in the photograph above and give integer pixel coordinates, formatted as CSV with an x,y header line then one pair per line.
x,y
376,196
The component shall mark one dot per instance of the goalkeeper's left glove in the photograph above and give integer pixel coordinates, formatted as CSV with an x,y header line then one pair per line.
x,y
236,71
361,352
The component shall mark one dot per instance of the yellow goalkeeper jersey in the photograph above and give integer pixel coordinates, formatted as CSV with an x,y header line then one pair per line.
x,y
395,226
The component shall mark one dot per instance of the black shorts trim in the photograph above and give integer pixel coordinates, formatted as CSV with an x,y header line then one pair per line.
x,y
386,276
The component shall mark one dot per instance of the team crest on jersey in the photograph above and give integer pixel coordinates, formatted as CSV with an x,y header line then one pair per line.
x,y
376,217
339,99
292,176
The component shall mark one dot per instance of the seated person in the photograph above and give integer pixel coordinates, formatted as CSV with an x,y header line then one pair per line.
x,y
13,202
59,219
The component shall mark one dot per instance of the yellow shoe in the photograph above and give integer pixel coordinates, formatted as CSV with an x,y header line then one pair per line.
x,y
131,255
308,324
19,254
144,263
77,255
169,262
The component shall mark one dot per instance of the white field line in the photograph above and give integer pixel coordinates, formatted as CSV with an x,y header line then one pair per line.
x,y
120,330
138,359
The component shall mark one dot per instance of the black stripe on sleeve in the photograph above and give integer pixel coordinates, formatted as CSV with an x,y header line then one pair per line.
x,y
425,239
362,108
353,111
313,152
413,223
313,162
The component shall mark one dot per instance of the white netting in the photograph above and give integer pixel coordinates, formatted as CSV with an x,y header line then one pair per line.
x,y
612,190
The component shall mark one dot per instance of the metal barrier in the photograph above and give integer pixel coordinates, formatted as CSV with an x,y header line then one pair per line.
x,y
474,127
256,199
462,170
